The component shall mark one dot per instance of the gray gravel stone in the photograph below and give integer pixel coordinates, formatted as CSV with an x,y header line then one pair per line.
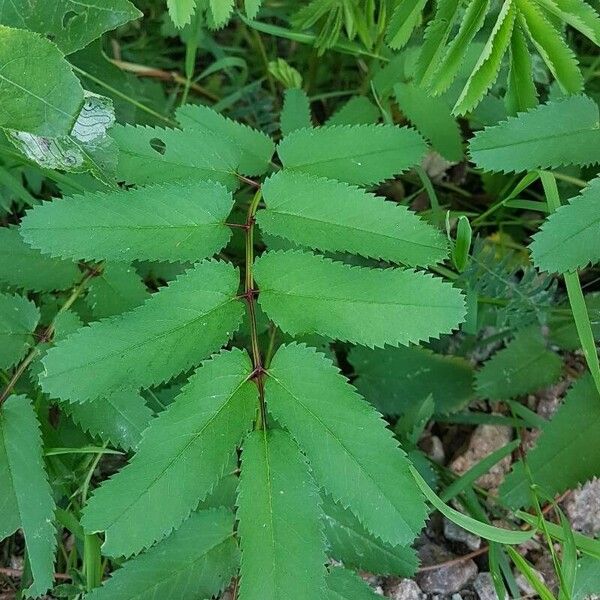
x,y
484,587
407,589
583,508
455,533
447,579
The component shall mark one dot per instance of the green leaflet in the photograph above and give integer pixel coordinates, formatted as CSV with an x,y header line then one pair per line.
x,y
524,366
256,149
181,11
296,111
521,93
394,379
307,395
343,584
196,434
306,293
196,561
252,7
577,13
568,240
18,319
566,453
351,544
561,132
358,154
359,110
221,11
155,155
116,290
432,117
118,419
70,24
489,62
282,542
26,500
351,220
40,93
23,267
587,581
171,332
405,18
170,222
563,331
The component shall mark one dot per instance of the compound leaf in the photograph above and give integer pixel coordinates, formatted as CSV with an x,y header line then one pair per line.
x,y
306,293
358,154
18,319
524,366
577,13
40,93
171,332
308,396
561,132
566,453
351,220
282,542
256,148
196,561
568,239
26,501
167,222
186,448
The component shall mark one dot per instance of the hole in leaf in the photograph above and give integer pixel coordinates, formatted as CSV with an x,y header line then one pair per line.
x,y
68,17
50,36
158,145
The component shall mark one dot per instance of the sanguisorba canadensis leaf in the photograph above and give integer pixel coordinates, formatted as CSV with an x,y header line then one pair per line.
x,y
18,319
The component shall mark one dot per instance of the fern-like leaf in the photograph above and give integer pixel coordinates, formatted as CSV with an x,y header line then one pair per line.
x,y
521,94
561,132
282,542
306,293
180,459
174,330
307,395
171,222
404,19
26,500
196,561
554,248
566,453
350,221
18,319
359,154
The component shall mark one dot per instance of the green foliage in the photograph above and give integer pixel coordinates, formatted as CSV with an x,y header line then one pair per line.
x,y
396,379
524,366
169,222
174,330
305,293
343,584
580,219
26,501
350,221
197,433
18,319
373,465
561,132
197,560
566,453
296,111
280,521
359,110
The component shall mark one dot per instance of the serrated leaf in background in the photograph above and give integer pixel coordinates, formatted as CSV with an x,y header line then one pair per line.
x,y
563,331
561,132
351,220
221,11
359,154
181,11
196,561
377,485
252,7
350,543
23,267
393,379
40,93
524,366
155,155
180,459
279,513
307,293
26,500
521,93
359,110
403,21
70,24
256,149
174,330
173,222
296,111
568,239
18,320
432,118
116,290
566,453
